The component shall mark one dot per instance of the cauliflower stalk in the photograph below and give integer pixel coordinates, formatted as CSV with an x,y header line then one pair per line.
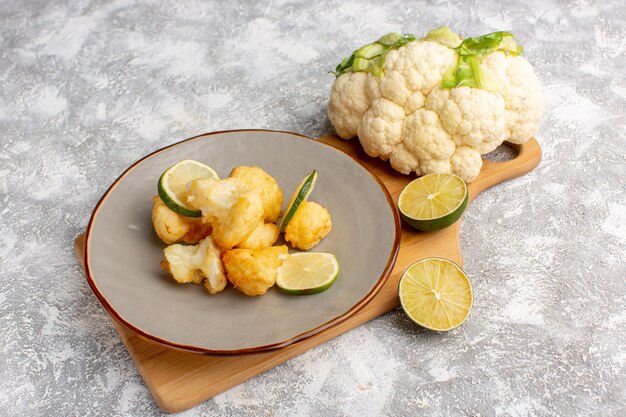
x,y
436,104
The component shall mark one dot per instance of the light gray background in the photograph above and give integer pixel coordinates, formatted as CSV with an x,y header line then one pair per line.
x,y
87,87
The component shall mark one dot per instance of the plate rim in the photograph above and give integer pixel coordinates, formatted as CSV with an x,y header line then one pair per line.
x,y
256,349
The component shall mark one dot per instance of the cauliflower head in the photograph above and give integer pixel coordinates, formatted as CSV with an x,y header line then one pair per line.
x,y
253,272
267,187
231,208
195,264
308,226
436,104
171,227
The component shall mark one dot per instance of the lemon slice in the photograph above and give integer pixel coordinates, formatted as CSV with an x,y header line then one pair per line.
x,y
435,293
433,202
172,186
307,273
301,194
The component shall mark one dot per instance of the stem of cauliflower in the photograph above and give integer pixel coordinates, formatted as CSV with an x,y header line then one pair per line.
x,y
466,71
371,57
444,36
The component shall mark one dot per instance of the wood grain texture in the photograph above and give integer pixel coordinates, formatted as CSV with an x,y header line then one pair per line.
x,y
179,380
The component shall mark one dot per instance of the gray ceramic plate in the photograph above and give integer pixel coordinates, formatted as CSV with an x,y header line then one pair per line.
x,y
123,253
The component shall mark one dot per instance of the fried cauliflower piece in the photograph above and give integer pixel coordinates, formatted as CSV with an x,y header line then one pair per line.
x,y
264,236
171,227
267,187
214,197
309,226
240,223
195,264
254,271
232,208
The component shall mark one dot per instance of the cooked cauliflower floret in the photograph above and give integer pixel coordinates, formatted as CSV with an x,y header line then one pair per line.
x,y
267,187
229,205
195,264
308,226
240,223
214,197
264,236
171,227
253,272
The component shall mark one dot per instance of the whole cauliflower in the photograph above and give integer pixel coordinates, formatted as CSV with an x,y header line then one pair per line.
x,y
195,264
436,104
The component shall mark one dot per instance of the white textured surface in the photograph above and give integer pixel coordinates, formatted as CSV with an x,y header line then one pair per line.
x,y
87,87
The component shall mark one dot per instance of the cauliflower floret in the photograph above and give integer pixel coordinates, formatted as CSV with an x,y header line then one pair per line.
x,y
171,227
231,207
407,116
403,160
264,236
514,77
240,223
415,102
435,166
348,101
308,226
196,264
214,197
381,128
253,272
425,136
473,116
421,64
267,187
466,163
394,87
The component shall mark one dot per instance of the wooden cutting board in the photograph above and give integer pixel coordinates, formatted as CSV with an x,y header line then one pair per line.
x,y
179,380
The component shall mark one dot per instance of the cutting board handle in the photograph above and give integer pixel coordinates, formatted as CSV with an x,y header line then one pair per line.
x,y
492,173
